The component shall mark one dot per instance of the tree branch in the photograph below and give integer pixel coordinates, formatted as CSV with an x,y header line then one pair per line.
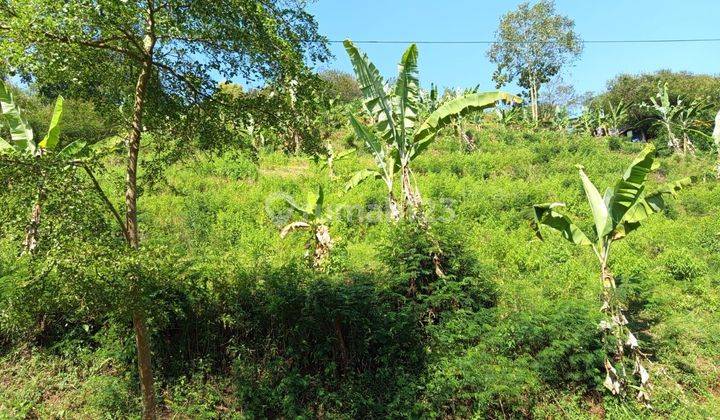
x,y
100,44
106,200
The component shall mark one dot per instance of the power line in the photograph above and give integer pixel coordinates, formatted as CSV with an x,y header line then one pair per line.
x,y
598,41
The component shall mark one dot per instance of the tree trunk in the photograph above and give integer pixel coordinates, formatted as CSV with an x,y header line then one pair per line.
x,y
469,140
138,315
412,198
673,141
142,342
616,376
323,244
344,354
394,209
31,234
534,99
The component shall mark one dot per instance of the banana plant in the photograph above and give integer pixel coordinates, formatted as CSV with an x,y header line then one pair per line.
x,y
509,116
22,142
396,137
561,119
616,116
687,123
616,214
316,219
680,117
586,121
331,158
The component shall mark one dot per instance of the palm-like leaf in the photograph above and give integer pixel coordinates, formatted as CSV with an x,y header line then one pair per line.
x,y
361,176
21,134
73,149
406,93
653,203
53,136
546,215
377,102
629,190
601,215
300,208
377,147
460,106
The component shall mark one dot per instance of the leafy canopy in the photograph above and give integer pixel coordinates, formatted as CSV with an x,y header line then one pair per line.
x,y
533,42
95,48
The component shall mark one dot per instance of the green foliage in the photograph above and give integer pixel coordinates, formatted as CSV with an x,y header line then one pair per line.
x,y
533,44
638,89
341,85
396,137
241,326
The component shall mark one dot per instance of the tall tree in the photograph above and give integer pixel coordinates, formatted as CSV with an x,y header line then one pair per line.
x,y
161,56
532,44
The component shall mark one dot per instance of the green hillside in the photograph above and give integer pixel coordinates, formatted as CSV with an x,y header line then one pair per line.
x,y
244,329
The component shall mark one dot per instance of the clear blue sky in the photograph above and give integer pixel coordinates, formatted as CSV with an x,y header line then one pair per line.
x,y
467,65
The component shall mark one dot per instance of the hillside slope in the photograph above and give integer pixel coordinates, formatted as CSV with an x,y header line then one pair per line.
x,y
248,331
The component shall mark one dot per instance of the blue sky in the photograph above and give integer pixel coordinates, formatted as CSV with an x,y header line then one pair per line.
x,y
467,65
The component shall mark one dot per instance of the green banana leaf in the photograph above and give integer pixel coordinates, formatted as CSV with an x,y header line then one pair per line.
x,y
73,149
460,106
545,215
375,144
377,102
53,136
406,92
629,190
361,176
655,202
601,216
21,135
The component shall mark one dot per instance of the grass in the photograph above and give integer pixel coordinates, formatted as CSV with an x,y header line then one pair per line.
x,y
533,354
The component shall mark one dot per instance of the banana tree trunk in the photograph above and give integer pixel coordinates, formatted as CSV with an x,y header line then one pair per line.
x,y
323,244
673,142
469,141
616,330
31,234
688,146
413,202
394,209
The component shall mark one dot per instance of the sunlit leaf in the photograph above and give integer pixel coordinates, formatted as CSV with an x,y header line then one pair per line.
x,y
603,224
53,136
546,215
21,135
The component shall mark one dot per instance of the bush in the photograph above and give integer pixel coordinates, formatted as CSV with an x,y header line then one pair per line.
x,y
615,143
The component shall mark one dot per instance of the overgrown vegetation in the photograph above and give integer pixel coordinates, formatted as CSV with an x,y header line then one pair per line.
x,y
444,303
512,328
